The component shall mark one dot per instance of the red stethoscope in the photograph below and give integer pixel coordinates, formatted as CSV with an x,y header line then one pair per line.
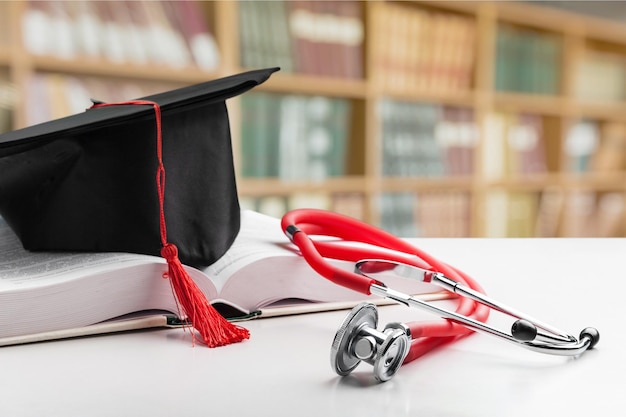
x,y
379,253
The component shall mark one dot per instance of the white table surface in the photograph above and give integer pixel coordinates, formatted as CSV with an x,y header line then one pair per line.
x,y
284,369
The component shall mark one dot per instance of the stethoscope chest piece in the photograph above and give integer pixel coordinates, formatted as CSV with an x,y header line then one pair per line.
x,y
358,340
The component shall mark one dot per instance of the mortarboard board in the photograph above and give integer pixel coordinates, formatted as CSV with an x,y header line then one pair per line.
x,y
87,182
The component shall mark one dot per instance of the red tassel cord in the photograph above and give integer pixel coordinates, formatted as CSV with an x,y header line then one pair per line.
x,y
214,329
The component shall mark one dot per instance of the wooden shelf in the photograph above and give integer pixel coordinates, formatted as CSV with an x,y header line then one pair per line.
x,y
102,68
259,187
421,184
304,84
456,98
532,103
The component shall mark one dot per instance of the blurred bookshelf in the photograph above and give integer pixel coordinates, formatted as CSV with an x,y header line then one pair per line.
x,y
427,118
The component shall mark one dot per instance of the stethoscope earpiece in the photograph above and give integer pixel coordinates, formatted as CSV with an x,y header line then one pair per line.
x,y
358,340
592,334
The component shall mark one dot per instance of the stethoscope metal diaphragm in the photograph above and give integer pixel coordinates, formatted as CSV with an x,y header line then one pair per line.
x,y
358,340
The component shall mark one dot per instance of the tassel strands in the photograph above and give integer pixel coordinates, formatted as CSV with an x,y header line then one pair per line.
x,y
213,328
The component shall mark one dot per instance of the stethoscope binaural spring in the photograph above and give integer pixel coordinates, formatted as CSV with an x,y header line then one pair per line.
x,y
358,339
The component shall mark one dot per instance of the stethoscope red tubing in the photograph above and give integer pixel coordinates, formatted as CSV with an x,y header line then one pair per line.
x,y
300,224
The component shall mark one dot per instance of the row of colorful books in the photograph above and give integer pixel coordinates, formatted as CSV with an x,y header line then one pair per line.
x,y
294,137
422,49
514,144
527,61
348,203
555,213
51,95
323,38
547,213
600,76
420,139
592,146
169,33
426,214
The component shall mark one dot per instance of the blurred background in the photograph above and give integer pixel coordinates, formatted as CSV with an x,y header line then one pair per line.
x,y
427,118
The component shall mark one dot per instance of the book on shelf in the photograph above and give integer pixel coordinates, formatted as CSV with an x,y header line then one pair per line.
x,y
190,22
349,203
443,214
264,36
169,33
527,61
260,124
611,208
600,76
588,213
511,214
526,144
420,139
294,137
581,142
418,49
117,44
409,146
308,37
578,217
426,213
549,212
457,136
610,156
397,213
44,294
269,205
593,146
304,48
514,145
580,213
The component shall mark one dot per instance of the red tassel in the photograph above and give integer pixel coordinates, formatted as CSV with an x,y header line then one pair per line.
x,y
214,329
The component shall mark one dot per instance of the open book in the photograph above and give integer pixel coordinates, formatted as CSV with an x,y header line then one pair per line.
x,y
43,294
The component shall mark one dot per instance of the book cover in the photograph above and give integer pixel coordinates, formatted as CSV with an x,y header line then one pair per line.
x,y
51,291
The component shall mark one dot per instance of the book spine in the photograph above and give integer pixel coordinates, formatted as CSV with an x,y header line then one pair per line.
x,y
443,214
169,33
397,213
300,15
581,142
190,22
294,137
424,50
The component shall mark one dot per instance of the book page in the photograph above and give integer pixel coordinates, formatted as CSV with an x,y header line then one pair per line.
x,y
262,267
260,237
21,269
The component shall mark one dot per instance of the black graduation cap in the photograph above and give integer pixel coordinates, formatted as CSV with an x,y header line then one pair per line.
x,y
87,182
96,181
